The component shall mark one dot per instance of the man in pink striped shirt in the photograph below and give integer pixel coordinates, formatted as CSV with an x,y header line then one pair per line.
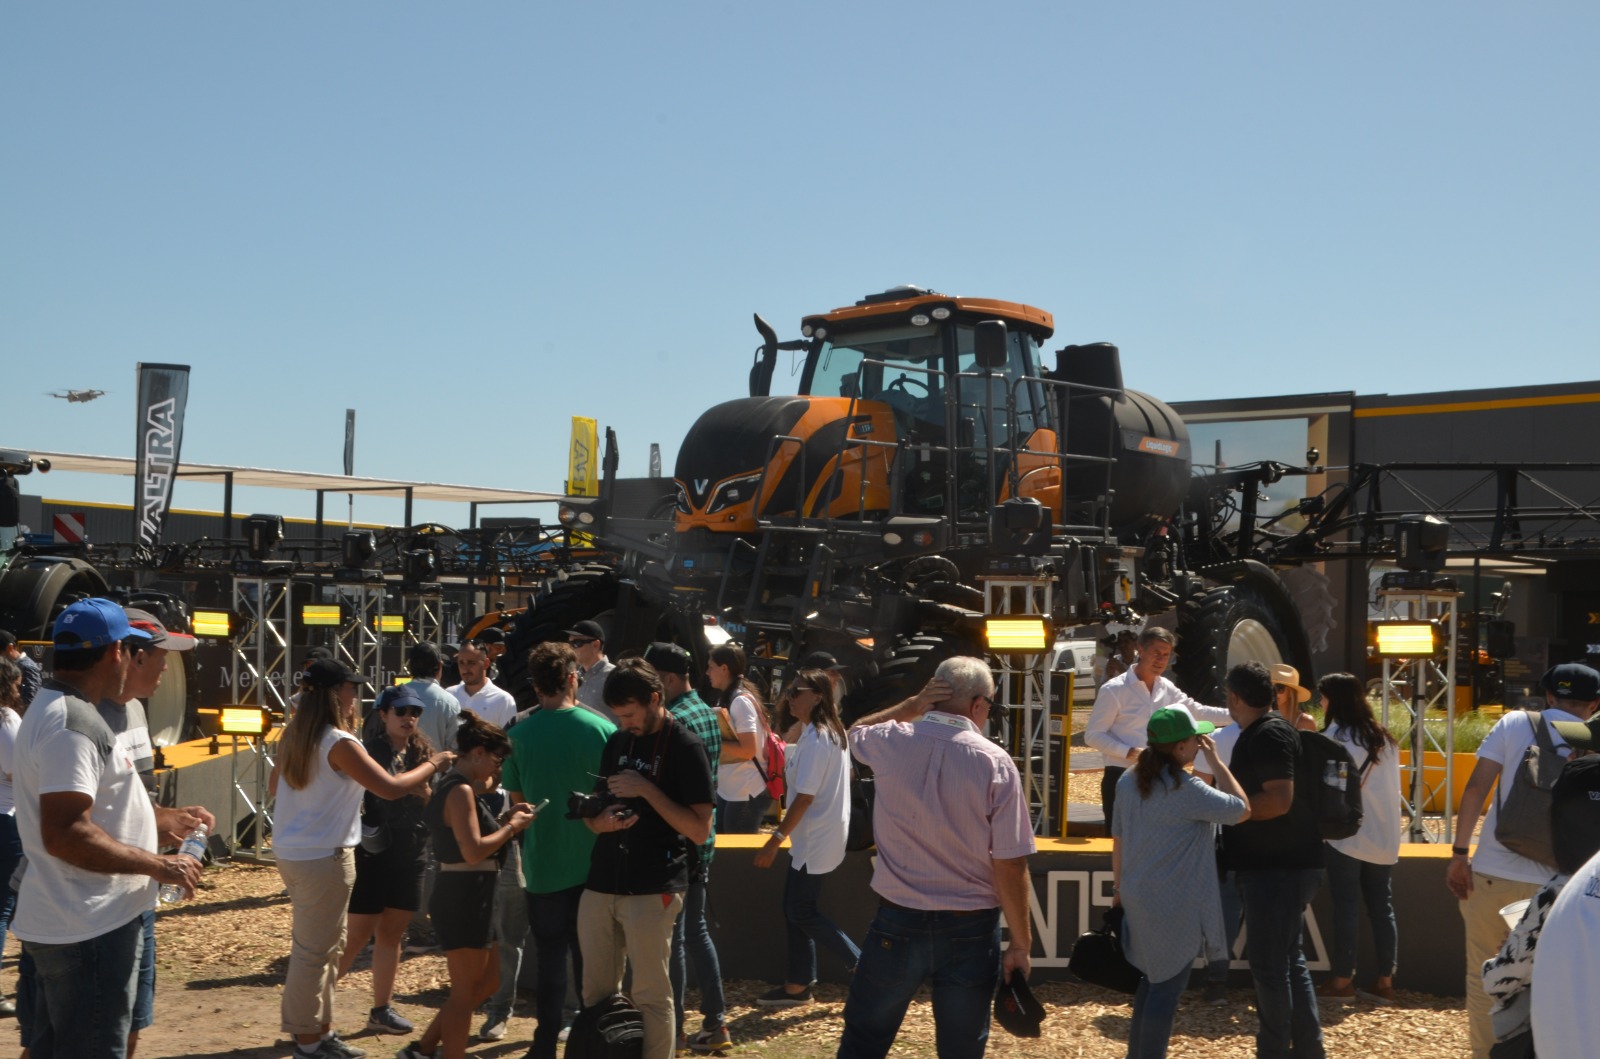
x,y
953,840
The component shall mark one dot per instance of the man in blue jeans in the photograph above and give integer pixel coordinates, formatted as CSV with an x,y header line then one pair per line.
x,y
938,918
1276,857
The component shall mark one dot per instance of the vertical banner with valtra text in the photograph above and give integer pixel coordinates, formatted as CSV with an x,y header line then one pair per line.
x,y
163,394
583,470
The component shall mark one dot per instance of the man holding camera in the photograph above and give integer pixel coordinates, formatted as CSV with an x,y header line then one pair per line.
x,y
655,798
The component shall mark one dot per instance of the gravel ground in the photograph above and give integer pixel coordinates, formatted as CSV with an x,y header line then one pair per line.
x,y
222,958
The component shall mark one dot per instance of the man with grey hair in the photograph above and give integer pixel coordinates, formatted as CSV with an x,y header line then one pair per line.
x,y
938,918
1123,707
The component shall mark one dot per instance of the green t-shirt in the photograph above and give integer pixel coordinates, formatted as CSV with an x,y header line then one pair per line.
x,y
554,753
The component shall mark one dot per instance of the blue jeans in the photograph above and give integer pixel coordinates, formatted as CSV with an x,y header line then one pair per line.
x,y
1232,916
10,857
741,818
1350,883
808,925
691,940
1154,1006
511,913
553,918
1274,903
83,1007
144,997
958,951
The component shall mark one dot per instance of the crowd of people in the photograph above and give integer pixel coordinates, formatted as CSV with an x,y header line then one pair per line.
x,y
1195,853
588,832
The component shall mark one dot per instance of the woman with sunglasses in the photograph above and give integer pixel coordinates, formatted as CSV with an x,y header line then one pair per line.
x,y
815,822
469,843
392,857
318,780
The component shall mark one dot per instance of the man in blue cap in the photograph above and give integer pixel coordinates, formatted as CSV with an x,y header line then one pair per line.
x,y
90,835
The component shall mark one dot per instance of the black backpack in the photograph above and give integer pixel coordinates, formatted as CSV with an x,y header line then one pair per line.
x,y
1326,779
611,1029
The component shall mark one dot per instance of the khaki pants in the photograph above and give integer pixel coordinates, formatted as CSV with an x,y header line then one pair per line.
x,y
614,929
319,893
1486,932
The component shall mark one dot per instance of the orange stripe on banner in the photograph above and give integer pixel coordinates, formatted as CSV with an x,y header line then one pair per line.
x,y
1477,406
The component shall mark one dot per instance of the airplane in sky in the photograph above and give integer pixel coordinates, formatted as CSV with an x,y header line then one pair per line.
x,y
78,396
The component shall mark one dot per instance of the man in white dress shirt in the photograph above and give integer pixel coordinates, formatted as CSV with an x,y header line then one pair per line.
x,y
1123,707
477,692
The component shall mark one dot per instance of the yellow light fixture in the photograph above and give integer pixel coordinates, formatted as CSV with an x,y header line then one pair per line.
x,y
243,720
1021,635
395,623
320,614
1406,639
402,679
213,623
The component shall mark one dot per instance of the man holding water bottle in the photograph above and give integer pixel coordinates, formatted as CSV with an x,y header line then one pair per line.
x,y
90,835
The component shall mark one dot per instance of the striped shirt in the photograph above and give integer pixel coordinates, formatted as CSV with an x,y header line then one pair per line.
x,y
949,803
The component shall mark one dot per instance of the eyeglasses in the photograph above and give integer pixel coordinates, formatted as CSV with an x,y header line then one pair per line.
x,y
991,704
406,711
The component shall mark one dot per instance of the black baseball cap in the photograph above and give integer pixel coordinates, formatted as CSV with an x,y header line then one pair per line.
x,y
1017,1009
588,630
668,658
493,634
327,673
1572,681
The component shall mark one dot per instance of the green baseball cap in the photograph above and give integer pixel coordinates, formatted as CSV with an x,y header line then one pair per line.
x,y
1174,724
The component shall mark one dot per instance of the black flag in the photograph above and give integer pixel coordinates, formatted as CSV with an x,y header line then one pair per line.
x,y
163,394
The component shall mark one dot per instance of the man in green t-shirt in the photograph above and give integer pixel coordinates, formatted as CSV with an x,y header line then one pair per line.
x,y
555,750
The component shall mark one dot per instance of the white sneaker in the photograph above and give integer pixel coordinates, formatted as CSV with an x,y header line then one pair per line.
x,y
494,1028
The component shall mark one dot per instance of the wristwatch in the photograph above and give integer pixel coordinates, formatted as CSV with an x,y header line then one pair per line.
x,y
1460,851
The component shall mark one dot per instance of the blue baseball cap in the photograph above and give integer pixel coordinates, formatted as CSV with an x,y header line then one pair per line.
x,y
91,623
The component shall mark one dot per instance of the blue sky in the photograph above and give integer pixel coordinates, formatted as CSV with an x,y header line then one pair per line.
x,y
472,221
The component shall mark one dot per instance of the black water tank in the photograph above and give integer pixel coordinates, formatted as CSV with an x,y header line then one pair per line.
x,y
1147,438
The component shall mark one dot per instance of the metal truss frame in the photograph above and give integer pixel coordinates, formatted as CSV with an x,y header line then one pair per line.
x,y
1024,688
1430,683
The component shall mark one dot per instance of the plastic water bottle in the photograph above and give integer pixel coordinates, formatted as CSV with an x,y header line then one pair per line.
x,y
193,846
1330,774
1344,776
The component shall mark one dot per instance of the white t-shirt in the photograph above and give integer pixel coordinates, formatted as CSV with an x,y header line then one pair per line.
x,y
1566,1020
1378,841
1504,745
820,767
64,746
491,704
10,721
324,815
739,781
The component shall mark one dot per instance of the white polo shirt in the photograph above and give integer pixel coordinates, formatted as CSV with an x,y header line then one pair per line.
x,y
491,703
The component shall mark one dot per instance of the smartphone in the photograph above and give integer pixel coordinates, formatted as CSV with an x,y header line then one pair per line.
x,y
540,807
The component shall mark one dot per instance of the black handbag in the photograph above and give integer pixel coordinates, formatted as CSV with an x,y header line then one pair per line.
x,y
1097,957
862,793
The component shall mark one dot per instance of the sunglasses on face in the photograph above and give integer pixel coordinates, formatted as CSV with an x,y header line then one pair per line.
x,y
584,641
406,711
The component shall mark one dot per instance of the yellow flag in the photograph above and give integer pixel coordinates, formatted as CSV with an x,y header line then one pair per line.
x,y
583,464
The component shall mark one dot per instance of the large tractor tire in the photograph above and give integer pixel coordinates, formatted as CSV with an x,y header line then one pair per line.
x,y
902,674
1249,620
590,594
35,590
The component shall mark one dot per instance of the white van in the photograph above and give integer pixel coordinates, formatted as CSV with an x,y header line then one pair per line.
x,y
1077,657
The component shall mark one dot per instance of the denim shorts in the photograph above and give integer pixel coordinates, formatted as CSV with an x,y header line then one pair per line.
x,y
144,1000
84,992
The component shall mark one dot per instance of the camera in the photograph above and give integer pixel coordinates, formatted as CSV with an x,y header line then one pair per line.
x,y
581,806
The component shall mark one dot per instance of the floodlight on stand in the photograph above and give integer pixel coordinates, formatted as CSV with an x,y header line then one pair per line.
x,y
213,623
1026,635
262,533
390,623
243,720
321,614
356,547
1421,542
1406,639
422,565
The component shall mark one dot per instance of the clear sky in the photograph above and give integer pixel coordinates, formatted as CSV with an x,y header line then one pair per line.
x,y
470,222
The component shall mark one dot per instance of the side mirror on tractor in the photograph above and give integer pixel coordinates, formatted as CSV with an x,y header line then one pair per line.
x,y
990,344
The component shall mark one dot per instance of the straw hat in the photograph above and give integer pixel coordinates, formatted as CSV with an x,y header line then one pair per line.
x,y
1289,677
